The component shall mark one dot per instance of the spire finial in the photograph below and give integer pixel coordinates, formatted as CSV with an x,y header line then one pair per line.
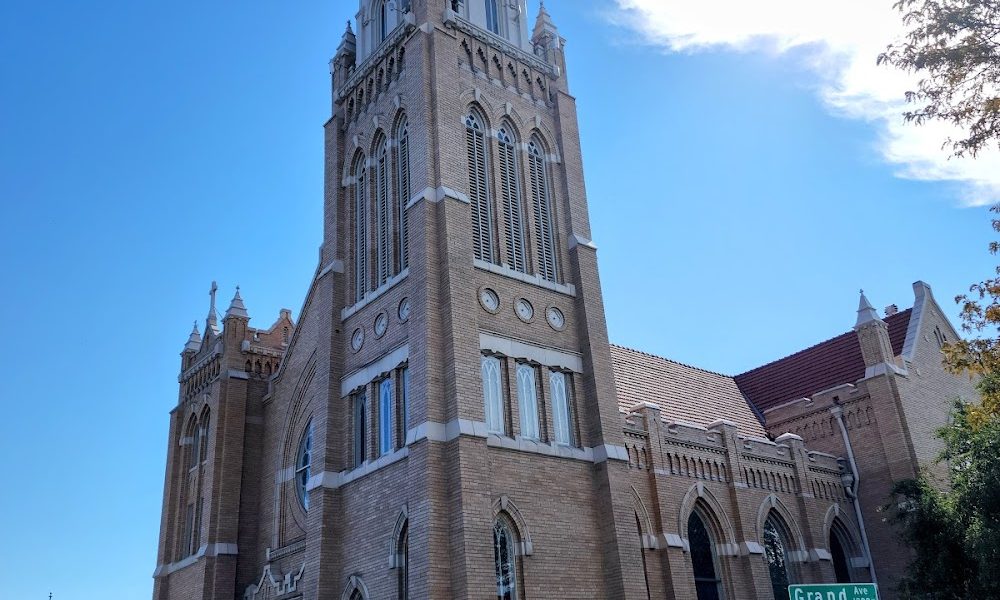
x,y
866,312
236,307
194,340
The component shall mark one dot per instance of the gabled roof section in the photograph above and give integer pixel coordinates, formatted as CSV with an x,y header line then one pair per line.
x,y
831,363
682,392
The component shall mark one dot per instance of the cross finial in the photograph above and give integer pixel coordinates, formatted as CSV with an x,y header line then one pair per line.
x,y
212,319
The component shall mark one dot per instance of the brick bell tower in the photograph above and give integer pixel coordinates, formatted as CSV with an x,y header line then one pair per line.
x,y
456,211
443,423
212,442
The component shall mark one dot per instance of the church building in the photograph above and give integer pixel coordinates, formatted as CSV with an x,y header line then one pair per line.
x,y
446,417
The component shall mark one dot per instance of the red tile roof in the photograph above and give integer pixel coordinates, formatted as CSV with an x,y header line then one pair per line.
x,y
831,363
683,393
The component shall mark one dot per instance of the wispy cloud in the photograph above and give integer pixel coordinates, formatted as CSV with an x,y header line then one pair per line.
x,y
840,44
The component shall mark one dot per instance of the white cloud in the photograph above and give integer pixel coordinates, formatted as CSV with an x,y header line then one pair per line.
x,y
840,43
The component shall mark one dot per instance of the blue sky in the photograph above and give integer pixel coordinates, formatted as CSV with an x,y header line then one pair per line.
x,y
148,148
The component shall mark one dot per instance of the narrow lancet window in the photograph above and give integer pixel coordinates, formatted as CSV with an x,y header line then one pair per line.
x,y
527,401
303,466
560,407
479,197
403,196
385,416
360,230
493,394
510,191
541,201
382,211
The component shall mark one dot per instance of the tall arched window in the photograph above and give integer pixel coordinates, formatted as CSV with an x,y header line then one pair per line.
x,y
842,548
493,16
560,407
510,192
505,559
479,197
493,394
194,454
642,553
203,428
541,201
385,416
382,14
383,226
403,197
360,229
776,544
303,465
403,549
527,398
707,582
360,428
191,498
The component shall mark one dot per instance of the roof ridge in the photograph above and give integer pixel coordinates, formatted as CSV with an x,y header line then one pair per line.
x,y
814,346
670,360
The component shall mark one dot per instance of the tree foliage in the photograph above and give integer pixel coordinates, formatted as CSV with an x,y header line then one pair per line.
x,y
955,533
980,355
954,45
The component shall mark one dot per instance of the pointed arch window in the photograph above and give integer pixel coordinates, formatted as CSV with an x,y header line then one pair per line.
x,y
708,584
510,192
560,407
360,229
403,548
360,428
842,548
385,430
383,21
403,196
527,398
493,16
776,544
303,465
493,394
505,560
383,238
642,552
541,201
191,501
195,452
479,197
404,404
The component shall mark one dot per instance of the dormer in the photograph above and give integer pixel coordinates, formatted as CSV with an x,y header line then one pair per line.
x,y
377,20
506,19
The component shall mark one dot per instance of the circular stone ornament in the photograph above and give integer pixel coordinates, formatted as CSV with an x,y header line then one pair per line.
x,y
555,318
358,339
403,312
525,311
489,300
381,324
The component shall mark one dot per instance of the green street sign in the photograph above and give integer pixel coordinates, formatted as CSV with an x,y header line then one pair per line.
x,y
835,591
